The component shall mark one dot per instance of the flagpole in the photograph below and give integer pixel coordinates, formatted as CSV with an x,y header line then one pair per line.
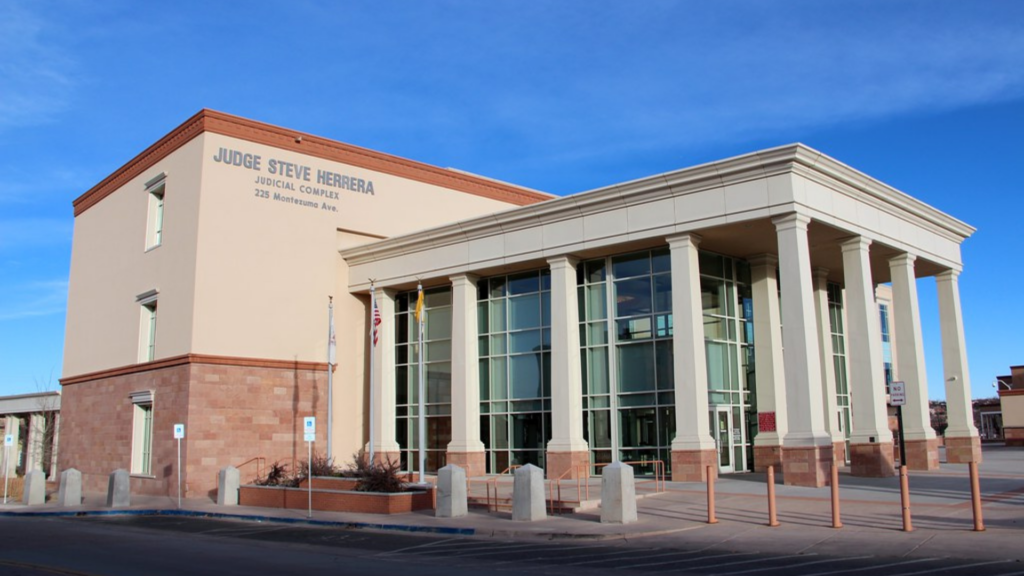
x,y
422,392
331,347
373,361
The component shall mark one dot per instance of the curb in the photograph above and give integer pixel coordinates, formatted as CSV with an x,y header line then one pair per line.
x,y
252,518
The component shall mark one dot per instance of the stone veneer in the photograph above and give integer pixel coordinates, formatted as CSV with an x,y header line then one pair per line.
x,y
807,465
963,450
872,460
232,413
692,465
839,452
922,454
765,456
474,463
1014,436
572,464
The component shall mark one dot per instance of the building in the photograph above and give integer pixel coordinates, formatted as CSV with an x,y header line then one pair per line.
x,y
32,421
640,321
1011,407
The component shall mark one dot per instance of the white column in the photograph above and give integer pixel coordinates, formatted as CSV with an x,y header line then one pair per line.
x,y
864,347
828,373
910,366
769,370
959,412
12,426
36,442
383,385
689,356
566,385
465,367
800,336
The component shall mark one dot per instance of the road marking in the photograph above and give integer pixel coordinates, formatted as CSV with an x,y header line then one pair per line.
x,y
427,545
958,567
602,559
918,561
661,556
499,551
798,565
756,560
698,559
43,568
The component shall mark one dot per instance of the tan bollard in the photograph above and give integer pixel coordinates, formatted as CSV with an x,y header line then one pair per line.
x,y
772,520
979,522
711,496
836,522
905,499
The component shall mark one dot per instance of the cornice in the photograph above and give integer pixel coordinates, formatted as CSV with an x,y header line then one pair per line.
x,y
283,138
185,359
791,158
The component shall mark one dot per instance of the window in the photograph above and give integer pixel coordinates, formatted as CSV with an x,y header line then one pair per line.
x,y
142,432
147,326
155,219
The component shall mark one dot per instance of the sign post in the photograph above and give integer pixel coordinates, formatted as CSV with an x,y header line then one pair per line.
x,y
179,433
897,398
309,431
8,442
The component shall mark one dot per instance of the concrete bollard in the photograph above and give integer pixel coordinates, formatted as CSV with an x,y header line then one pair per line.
x,y
35,488
227,486
70,493
528,494
119,491
618,494
451,492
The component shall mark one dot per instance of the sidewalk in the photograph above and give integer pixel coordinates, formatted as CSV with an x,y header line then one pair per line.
x,y
871,515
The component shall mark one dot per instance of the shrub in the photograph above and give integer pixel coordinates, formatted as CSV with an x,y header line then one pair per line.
x,y
375,476
277,475
321,466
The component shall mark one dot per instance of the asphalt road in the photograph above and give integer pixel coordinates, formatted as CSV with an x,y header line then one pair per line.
x,y
159,545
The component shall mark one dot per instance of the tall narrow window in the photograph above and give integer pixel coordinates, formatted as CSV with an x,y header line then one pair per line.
x,y
142,432
155,226
147,326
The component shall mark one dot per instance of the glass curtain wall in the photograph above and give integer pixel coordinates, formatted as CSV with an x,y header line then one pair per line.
x,y
437,304
729,337
514,327
626,330
835,314
883,313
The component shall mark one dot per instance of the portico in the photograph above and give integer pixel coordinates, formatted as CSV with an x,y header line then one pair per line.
x,y
684,318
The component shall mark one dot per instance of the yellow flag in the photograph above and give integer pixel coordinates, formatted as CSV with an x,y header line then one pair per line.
x,y
419,304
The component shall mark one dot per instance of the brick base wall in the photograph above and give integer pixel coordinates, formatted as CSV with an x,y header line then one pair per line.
x,y
922,454
963,450
573,463
872,460
335,500
232,413
765,456
807,465
692,465
474,463
1014,436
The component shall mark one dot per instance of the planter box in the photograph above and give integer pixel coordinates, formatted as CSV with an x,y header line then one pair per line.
x,y
327,497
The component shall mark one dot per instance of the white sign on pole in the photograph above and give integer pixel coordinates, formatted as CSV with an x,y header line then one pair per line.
x,y
179,431
9,440
897,394
309,428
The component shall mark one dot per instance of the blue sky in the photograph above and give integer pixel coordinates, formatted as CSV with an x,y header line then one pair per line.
x,y
560,96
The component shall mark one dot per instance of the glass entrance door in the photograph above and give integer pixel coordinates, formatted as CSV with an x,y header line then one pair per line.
x,y
721,430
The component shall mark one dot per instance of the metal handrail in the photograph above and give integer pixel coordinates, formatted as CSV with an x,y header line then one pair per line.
x,y
488,482
261,464
659,472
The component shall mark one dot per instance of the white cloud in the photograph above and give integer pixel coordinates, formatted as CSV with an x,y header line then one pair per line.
x,y
34,73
